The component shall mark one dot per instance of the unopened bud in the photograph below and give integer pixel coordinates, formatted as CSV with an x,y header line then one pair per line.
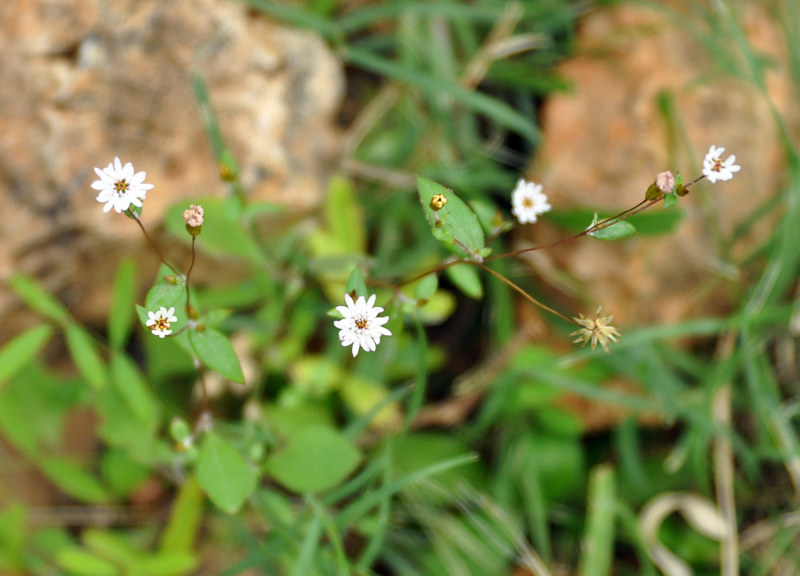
x,y
665,182
653,192
437,202
681,190
193,217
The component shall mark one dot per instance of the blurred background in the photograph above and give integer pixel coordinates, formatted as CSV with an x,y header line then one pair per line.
x,y
302,127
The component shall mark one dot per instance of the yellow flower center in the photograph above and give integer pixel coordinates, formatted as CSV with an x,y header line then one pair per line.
x,y
361,323
121,186
162,324
527,203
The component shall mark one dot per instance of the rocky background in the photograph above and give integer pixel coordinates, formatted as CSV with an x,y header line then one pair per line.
x,y
83,81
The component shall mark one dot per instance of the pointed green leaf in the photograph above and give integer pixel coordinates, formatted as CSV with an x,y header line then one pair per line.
x,y
215,351
344,216
72,479
184,520
670,200
425,288
120,318
316,459
223,473
455,224
355,283
84,353
22,349
38,299
466,277
615,231
80,563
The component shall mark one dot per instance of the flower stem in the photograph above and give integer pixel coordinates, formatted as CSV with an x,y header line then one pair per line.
x,y
135,216
522,292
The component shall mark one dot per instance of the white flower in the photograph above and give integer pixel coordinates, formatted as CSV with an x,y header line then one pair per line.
x,y
120,187
161,320
361,325
528,202
715,169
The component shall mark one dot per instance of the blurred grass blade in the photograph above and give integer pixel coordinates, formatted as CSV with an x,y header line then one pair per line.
x,y
496,110
120,320
23,348
598,539
38,299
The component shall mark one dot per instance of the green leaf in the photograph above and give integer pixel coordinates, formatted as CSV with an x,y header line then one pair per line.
x,y
355,283
12,538
467,279
38,299
426,287
166,564
122,474
223,473
120,318
84,353
454,225
616,231
72,479
169,294
670,200
22,349
315,460
344,216
223,232
215,351
80,563
184,520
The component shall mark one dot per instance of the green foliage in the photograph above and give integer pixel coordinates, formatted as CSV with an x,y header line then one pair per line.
x,y
460,445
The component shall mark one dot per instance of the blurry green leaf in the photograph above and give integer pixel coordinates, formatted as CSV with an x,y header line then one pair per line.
x,y
12,538
168,292
344,216
72,479
179,430
355,283
166,564
22,349
467,279
223,232
315,376
315,460
438,308
80,563
184,520
557,462
425,288
455,225
133,388
670,200
120,318
419,450
84,353
361,395
38,299
615,231
649,222
223,473
109,545
215,351
288,421
121,473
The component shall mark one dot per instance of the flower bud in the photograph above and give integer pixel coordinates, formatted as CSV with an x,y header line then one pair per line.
x,y
437,202
665,182
193,217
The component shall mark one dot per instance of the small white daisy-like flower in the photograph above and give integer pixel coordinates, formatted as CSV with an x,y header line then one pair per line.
x,y
160,321
361,326
595,330
714,168
528,201
120,187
